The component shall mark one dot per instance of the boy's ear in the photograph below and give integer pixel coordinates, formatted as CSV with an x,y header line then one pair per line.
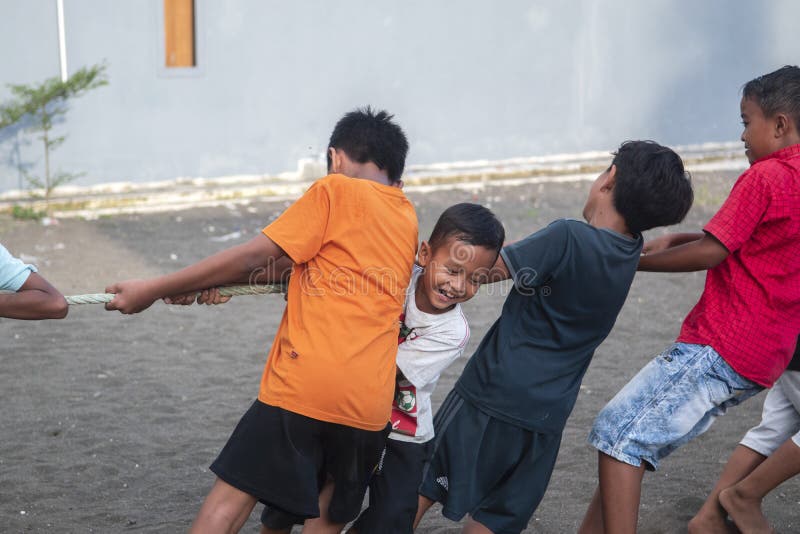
x,y
610,180
424,254
783,125
336,161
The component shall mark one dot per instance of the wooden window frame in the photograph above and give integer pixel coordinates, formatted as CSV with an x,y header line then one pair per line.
x,y
179,34
160,23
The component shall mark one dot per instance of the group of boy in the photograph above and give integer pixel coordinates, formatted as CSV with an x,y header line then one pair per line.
x,y
309,451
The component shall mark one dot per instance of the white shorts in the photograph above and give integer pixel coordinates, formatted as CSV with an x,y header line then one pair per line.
x,y
780,418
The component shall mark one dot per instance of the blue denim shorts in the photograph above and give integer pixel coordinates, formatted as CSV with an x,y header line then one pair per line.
x,y
673,399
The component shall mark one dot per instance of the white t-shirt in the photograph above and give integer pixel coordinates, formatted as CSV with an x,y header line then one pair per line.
x,y
431,344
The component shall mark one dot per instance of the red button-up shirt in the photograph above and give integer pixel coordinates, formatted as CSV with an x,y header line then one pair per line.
x,y
749,311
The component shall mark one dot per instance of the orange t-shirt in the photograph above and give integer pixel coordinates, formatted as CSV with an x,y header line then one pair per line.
x,y
353,242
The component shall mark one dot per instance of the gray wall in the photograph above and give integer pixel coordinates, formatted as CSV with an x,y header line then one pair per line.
x,y
467,79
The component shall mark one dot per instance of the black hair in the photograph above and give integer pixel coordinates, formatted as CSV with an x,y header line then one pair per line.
x,y
652,188
367,135
777,92
470,223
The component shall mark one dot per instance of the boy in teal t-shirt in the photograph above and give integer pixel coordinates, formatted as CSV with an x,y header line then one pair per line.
x,y
24,294
499,430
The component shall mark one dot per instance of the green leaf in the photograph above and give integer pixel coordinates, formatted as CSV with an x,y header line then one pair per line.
x,y
48,98
55,142
42,103
26,213
34,181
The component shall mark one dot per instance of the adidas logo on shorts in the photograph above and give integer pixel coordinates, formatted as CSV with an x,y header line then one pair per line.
x,y
442,481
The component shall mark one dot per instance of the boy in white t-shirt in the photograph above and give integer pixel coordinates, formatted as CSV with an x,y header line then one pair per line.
x,y
451,266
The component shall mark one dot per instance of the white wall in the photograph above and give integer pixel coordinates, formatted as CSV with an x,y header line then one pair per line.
x,y
467,79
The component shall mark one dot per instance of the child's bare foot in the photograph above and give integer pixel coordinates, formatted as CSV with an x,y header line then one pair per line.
x,y
745,512
710,524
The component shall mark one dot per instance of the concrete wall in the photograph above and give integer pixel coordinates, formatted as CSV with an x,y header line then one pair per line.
x,y
467,79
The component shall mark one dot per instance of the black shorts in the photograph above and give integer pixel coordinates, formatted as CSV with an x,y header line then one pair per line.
x,y
494,471
394,490
282,458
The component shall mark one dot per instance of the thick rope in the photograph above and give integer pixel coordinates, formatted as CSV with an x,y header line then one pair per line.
x,y
229,291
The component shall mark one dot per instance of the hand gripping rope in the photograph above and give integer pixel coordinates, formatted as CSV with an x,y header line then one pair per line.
x,y
229,291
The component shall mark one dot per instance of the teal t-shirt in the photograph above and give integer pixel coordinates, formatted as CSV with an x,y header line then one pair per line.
x,y
570,282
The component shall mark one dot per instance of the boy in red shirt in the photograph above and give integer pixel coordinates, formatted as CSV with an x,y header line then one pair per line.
x,y
319,424
739,337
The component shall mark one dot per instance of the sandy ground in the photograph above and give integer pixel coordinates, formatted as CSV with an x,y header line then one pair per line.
x,y
109,422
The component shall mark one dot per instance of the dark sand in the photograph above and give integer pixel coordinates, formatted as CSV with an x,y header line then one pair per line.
x,y
109,422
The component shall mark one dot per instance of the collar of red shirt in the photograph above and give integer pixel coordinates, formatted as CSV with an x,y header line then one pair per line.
x,y
784,153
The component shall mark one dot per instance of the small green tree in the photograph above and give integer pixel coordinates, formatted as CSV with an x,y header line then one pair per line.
x,y
42,104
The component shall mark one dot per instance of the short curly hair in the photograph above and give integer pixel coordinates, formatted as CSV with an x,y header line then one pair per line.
x,y
777,92
652,187
368,135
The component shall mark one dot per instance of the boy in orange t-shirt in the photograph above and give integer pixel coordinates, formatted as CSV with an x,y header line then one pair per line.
x,y
321,417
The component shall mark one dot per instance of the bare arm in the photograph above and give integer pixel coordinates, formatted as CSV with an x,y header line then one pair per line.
x,y
694,255
275,272
229,266
670,240
36,299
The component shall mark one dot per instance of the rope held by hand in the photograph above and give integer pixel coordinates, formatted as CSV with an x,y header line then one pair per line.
x,y
229,291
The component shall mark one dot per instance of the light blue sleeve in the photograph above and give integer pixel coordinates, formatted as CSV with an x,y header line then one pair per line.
x,y
13,272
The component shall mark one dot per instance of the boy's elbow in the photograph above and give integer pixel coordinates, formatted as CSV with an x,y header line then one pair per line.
x,y
57,307
260,252
710,263
714,252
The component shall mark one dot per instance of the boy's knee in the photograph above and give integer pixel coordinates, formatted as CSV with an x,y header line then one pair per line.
x,y
225,509
219,517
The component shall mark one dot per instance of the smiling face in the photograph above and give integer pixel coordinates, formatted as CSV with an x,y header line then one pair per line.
x,y
759,135
454,271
